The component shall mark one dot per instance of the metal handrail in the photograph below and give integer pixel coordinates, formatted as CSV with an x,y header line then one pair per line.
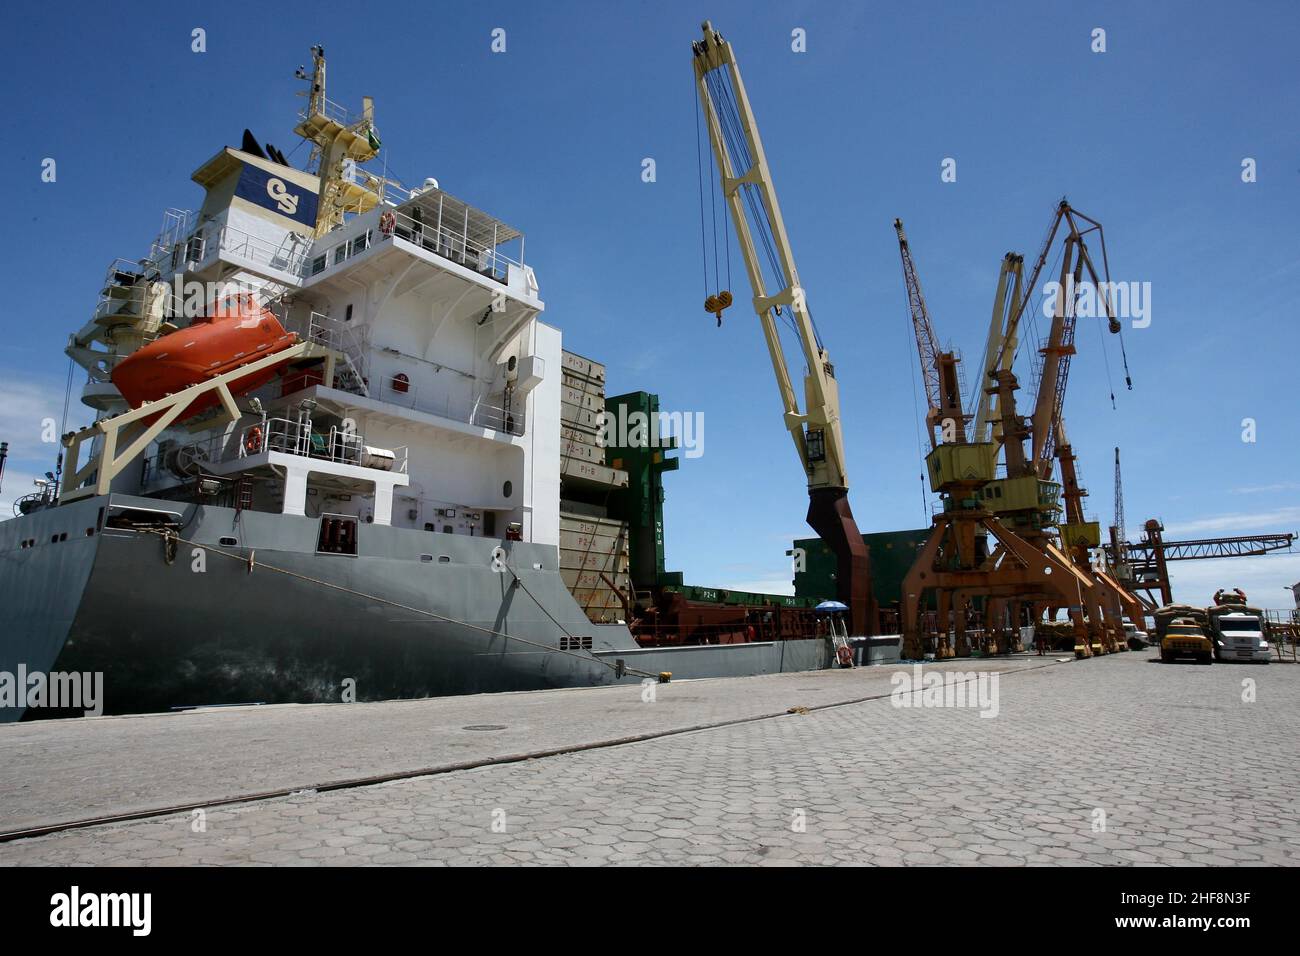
x,y
455,245
495,417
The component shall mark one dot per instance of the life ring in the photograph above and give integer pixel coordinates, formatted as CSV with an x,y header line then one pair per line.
x,y
253,440
845,656
387,223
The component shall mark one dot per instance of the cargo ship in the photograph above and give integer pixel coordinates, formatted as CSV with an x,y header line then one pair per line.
x,y
338,454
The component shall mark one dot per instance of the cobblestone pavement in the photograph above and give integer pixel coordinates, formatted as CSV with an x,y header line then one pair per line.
x,y
1118,760
57,771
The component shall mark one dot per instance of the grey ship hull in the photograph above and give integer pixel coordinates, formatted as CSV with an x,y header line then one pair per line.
x,y
165,634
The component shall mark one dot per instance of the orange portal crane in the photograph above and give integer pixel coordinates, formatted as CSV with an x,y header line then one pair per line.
x,y
1107,601
954,562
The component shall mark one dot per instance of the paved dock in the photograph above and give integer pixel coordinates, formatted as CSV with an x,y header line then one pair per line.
x,y
1116,760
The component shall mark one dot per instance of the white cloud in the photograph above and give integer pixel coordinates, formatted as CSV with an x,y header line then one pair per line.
x,y
1262,578
25,405
1239,523
1263,489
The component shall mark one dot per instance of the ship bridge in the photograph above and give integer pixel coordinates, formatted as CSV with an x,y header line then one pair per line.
x,y
428,297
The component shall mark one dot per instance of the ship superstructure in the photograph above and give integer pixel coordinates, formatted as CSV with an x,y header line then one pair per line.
x,y
349,463
420,348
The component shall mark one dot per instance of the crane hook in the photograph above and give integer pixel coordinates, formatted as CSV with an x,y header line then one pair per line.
x,y
716,303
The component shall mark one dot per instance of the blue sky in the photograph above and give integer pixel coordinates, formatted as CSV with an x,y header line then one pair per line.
x,y
1147,137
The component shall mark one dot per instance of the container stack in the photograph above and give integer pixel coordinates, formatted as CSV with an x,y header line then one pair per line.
x,y
593,546
594,563
582,402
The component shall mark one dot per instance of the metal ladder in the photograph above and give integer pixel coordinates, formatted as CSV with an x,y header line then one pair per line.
x,y
343,341
840,641
243,494
348,377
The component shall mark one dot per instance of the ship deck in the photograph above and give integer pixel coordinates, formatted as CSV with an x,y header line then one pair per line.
x,y
709,771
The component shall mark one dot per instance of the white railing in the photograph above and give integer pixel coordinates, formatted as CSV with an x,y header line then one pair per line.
x,y
296,437
454,243
326,107
473,412
214,239
288,256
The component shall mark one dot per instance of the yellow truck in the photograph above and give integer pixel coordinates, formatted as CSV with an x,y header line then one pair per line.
x,y
1183,637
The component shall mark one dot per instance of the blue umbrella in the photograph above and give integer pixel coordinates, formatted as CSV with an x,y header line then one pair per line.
x,y
831,606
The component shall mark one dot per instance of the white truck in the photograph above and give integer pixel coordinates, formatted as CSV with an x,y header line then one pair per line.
x,y
1236,630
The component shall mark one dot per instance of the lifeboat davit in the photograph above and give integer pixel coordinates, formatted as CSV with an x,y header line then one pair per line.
x,y
237,333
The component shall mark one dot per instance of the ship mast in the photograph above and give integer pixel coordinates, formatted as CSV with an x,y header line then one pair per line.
x,y
339,144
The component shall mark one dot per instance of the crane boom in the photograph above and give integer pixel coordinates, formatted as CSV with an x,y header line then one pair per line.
x,y
997,356
944,417
1119,501
1118,534
1059,347
756,215
747,183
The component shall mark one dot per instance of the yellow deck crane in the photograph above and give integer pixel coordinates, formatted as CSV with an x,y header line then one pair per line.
x,y
756,215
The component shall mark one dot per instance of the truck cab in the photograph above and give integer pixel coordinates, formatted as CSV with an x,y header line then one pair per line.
x,y
1239,636
1137,639
1184,638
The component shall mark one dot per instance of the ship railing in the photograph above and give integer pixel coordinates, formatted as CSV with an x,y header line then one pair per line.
x,y
126,283
327,108
177,224
274,434
215,239
286,256
452,241
344,446
398,390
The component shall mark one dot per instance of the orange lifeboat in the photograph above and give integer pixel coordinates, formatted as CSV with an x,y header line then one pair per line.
x,y
237,333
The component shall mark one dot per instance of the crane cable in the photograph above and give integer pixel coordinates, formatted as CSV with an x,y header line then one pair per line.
x,y
63,428
171,540
699,169
916,420
737,146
